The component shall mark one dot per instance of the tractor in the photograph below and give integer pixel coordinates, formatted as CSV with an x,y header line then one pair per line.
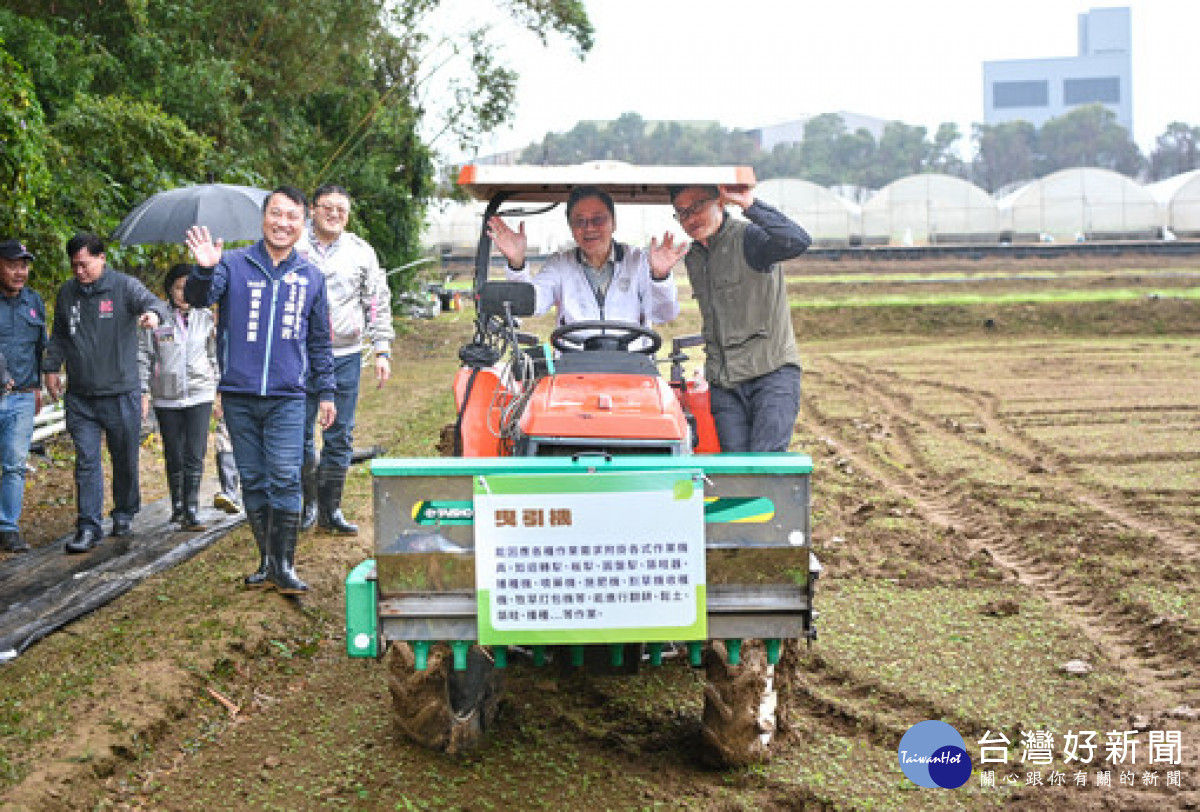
x,y
584,515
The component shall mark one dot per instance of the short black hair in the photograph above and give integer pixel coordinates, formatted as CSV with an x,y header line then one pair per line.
x,y
584,192
181,269
290,192
329,189
85,240
676,191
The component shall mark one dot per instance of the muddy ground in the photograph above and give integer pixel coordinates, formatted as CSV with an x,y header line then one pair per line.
x,y
999,490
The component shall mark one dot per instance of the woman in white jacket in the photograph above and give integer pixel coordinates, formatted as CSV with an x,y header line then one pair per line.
x,y
600,279
178,361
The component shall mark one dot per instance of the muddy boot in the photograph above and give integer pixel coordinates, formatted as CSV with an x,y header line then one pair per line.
x,y
227,475
191,501
11,542
260,526
308,485
330,483
285,531
175,484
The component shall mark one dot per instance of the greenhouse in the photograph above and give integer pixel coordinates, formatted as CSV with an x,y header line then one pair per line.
x,y
929,209
1080,204
831,220
1178,199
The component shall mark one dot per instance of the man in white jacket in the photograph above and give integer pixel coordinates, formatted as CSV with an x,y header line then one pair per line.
x,y
360,309
600,279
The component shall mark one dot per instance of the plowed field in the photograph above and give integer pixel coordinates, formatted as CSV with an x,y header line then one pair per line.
x,y
1007,506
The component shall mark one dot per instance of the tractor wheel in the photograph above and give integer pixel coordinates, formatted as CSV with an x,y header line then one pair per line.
x,y
441,708
746,706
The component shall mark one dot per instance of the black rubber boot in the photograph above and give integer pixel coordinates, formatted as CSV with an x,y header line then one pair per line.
x,y
260,526
227,473
285,531
330,484
175,484
11,542
191,501
308,485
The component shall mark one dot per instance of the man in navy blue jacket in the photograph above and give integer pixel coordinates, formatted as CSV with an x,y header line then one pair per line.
x,y
22,340
273,328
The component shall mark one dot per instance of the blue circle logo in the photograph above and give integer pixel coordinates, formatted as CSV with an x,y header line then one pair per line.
x,y
932,754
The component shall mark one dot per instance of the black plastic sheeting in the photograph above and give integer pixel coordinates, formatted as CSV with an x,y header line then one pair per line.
x,y
45,589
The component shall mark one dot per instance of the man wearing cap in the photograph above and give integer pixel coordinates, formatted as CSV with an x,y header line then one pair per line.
x,y
96,319
22,341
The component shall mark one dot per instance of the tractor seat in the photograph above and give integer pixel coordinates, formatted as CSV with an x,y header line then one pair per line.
x,y
617,362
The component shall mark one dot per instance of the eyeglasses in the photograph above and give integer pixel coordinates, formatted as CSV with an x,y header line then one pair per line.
x,y
580,223
291,215
330,209
692,210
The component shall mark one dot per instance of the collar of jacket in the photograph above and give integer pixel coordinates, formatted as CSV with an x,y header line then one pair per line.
x,y
615,254
102,285
258,253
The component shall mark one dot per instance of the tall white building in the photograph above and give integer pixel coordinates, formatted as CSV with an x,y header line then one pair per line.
x,y
1036,90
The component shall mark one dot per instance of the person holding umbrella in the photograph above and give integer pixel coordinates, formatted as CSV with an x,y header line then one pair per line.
x,y
272,333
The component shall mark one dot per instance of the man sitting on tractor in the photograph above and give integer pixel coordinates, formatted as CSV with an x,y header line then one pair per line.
x,y
600,279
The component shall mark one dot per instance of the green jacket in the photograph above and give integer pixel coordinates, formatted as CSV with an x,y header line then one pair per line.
x,y
747,325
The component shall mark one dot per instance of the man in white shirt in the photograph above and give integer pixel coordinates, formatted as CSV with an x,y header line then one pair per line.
x,y
361,313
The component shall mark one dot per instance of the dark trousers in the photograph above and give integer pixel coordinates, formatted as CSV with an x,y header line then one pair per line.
x,y
267,434
185,438
759,414
119,417
337,441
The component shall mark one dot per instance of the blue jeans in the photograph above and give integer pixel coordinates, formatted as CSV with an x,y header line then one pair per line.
x,y
337,447
267,435
759,414
119,417
16,427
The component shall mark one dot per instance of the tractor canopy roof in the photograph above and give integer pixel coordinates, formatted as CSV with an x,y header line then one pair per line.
x,y
625,182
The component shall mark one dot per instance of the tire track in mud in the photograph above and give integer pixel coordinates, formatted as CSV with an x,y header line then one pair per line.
x,y
1164,679
1019,450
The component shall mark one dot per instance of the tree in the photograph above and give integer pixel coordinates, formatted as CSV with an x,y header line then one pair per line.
x,y
138,96
1176,151
1087,136
1004,153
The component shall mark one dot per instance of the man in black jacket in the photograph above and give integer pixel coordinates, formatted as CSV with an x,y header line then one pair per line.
x,y
96,319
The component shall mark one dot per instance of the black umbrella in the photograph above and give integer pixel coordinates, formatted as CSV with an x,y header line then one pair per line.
x,y
229,212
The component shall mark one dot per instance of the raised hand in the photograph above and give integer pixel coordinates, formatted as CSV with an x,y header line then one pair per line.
x,y
740,196
206,252
511,244
664,255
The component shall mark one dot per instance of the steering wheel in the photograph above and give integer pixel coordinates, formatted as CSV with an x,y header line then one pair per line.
x,y
606,335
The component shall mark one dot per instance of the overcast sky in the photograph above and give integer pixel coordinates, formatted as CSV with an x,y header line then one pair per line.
x,y
758,62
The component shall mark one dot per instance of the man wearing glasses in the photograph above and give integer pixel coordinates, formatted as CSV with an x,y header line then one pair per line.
x,y
752,360
600,279
360,308
272,333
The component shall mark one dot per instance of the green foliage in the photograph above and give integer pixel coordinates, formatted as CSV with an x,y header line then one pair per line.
x,y
24,166
1087,136
830,155
1176,151
104,104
